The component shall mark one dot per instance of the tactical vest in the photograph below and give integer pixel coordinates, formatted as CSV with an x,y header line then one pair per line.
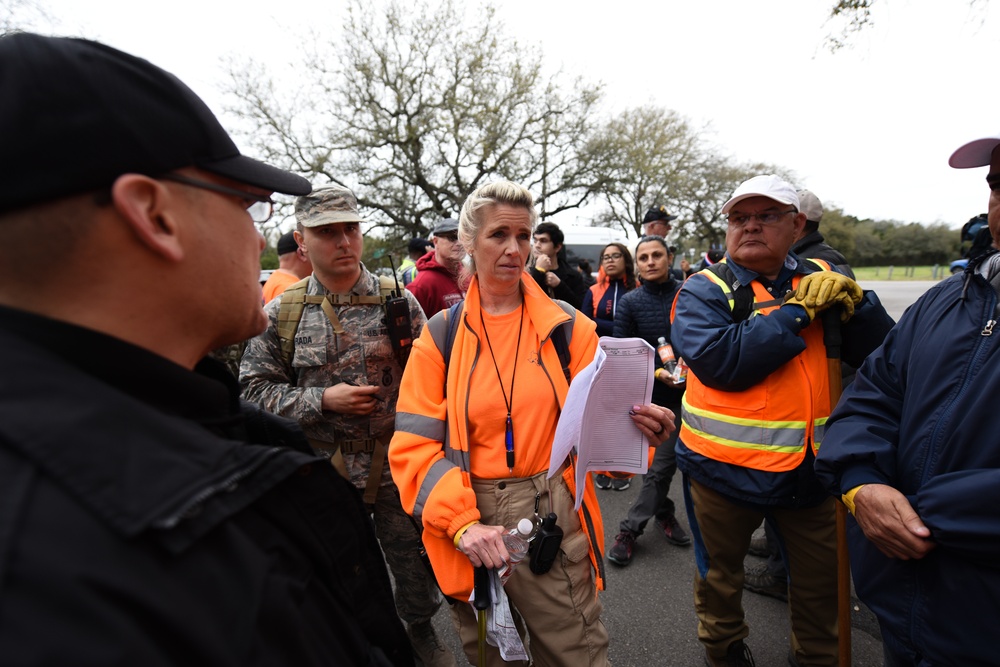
x,y
294,300
290,309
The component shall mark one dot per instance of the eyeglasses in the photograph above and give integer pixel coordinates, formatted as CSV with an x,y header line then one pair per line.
x,y
260,207
613,257
763,218
450,237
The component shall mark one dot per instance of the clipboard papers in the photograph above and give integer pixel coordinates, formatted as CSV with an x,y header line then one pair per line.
x,y
595,420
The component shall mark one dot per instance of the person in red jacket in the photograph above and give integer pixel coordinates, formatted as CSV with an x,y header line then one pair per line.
x,y
437,285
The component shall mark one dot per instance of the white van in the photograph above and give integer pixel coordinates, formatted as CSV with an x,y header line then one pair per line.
x,y
588,242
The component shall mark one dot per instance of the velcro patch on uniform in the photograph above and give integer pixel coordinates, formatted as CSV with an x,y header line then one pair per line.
x,y
303,340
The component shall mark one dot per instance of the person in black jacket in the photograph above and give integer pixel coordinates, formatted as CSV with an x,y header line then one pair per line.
x,y
645,313
810,244
149,517
551,270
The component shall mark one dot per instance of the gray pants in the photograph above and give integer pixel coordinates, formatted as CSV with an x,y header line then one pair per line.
x,y
417,595
653,499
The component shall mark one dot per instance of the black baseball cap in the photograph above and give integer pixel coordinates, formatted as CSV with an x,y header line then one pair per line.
x,y
655,214
287,243
77,114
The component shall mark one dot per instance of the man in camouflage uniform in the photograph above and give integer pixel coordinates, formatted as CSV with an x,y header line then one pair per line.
x,y
340,382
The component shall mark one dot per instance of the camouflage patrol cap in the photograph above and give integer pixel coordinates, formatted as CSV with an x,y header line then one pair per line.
x,y
326,205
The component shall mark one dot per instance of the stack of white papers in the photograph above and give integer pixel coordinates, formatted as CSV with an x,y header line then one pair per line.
x,y
595,420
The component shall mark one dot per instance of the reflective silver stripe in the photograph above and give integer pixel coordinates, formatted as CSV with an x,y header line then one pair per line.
x,y
458,458
434,475
423,426
779,437
438,326
819,430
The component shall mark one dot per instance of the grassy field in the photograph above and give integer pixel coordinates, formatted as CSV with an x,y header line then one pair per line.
x,y
900,272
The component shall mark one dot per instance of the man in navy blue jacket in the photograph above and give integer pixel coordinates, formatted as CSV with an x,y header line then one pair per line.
x,y
913,450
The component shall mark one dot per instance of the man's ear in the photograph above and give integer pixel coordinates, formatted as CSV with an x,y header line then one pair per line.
x,y
151,212
800,223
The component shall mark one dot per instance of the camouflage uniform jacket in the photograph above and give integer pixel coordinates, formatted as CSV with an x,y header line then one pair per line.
x,y
362,355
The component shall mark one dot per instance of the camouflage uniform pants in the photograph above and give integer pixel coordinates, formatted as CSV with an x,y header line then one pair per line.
x,y
417,595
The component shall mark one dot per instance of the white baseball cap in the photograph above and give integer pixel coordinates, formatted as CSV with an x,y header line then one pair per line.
x,y
974,154
767,185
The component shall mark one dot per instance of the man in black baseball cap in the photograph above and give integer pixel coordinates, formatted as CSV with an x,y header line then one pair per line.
x,y
150,518
657,222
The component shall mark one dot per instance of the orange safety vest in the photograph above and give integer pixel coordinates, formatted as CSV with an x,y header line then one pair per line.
x,y
766,426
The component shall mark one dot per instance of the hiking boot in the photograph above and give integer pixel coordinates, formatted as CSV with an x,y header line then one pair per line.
x,y
602,481
673,532
737,655
429,650
621,552
762,582
758,546
620,484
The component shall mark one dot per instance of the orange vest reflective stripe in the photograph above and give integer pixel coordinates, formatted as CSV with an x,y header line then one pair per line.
x,y
767,426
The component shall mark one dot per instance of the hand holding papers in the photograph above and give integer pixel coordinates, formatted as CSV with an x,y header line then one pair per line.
x,y
595,418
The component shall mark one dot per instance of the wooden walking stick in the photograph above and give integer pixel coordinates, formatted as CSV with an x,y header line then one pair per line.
x,y
832,341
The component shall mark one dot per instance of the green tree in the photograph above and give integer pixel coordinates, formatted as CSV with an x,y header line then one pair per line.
x,y
415,106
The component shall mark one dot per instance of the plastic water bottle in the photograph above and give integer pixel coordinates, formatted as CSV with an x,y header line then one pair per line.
x,y
666,352
516,540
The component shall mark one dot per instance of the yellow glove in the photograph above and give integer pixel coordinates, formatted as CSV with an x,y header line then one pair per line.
x,y
793,298
847,301
826,288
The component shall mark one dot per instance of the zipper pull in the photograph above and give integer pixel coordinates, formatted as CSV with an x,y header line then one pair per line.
x,y
988,329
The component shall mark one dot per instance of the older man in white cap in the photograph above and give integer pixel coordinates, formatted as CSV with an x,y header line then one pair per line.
x,y
753,417
912,448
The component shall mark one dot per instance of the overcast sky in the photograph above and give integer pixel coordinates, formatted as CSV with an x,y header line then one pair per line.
x,y
869,128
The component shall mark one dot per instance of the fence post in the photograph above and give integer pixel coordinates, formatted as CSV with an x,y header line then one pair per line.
x,y
889,277
935,272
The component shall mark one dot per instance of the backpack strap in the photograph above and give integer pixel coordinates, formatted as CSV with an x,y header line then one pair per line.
x,y
561,337
742,295
289,314
742,299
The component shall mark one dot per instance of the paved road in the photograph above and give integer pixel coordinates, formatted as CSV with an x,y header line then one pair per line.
x,y
648,606
897,295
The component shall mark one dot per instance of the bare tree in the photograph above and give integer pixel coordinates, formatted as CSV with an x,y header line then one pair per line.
x,y
415,106
643,153
850,17
652,156
16,15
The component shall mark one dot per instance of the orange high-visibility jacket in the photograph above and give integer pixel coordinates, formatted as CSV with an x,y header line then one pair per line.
x,y
429,454
769,425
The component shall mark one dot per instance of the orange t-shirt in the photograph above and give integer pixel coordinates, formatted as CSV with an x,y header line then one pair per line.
x,y
535,410
277,282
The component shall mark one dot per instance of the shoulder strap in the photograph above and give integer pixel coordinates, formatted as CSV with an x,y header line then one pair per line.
x,y
290,309
386,286
561,339
742,294
444,325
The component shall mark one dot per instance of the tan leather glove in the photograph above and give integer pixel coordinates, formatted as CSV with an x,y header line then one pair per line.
x,y
792,298
824,288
